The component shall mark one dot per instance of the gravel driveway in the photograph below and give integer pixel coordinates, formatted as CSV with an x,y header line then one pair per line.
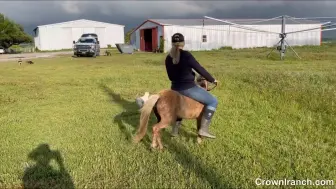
x,y
25,56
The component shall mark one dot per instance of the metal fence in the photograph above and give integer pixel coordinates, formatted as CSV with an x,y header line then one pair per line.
x,y
21,48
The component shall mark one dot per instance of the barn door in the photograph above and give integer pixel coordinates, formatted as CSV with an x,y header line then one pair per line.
x,y
142,40
101,38
88,30
65,39
76,33
154,38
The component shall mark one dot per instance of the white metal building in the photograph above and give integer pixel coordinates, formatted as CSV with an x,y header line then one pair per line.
x,y
61,35
209,34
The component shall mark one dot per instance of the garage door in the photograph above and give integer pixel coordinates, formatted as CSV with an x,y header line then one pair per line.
x,y
88,30
101,37
65,41
76,33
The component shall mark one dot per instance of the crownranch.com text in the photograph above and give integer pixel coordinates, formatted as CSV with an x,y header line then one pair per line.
x,y
289,182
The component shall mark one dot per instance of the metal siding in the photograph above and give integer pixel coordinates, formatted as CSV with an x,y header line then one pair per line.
x,y
37,40
304,38
111,36
101,31
198,22
76,33
60,36
89,30
223,35
65,42
133,40
41,38
137,39
217,36
115,34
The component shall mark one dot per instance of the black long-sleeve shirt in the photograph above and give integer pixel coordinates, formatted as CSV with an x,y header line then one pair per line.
x,y
181,75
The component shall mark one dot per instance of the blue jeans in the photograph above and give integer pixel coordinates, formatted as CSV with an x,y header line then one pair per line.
x,y
201,95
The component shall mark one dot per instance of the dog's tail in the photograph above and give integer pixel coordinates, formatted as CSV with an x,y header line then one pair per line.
x,y
144,117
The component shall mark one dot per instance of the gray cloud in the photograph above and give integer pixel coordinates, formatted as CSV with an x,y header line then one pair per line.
x,y
131,13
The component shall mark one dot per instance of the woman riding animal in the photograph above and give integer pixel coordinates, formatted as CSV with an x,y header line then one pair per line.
x,y
179,65
185,99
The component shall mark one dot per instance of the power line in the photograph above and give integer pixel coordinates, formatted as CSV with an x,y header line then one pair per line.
x,y
307,29
242,27
309,18
264,20
294,20
283,34
329,29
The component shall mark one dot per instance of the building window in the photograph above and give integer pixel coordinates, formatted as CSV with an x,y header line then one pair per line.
x,y
204,38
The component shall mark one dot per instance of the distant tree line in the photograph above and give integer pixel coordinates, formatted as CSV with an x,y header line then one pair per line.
x,y
128,36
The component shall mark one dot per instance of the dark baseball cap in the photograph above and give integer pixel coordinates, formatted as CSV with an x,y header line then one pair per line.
x,y
177,37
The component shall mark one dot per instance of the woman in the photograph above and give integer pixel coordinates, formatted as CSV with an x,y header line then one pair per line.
x,y
179,65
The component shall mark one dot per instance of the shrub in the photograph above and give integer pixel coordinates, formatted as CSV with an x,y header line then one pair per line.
x,y
225,48
161,45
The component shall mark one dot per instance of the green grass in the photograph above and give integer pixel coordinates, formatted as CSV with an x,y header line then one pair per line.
x,y
275,120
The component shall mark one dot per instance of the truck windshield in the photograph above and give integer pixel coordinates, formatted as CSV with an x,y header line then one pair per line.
x,y
86,40
88,35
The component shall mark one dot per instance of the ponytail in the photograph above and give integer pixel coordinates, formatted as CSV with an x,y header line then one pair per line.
x,y
175,52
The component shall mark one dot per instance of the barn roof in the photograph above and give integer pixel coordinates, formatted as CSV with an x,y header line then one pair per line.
x,y
191,22
79,20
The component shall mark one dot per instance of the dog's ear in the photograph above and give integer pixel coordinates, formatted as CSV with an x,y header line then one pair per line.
x,y
146,96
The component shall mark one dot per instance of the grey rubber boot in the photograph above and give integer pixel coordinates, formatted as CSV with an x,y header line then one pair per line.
x,y
205,122
176,128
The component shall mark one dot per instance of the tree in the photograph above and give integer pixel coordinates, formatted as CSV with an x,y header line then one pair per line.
x,y
162,44
128,36
12,33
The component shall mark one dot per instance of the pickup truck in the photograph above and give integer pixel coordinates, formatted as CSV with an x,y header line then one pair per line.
x,y
2,50
86,46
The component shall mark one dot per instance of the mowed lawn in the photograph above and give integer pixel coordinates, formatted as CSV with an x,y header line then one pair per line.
x,y
68,122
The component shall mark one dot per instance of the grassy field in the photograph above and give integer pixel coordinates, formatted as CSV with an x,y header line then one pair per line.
x,y
67,122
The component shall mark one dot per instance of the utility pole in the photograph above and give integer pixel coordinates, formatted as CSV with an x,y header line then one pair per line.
x,y
283,36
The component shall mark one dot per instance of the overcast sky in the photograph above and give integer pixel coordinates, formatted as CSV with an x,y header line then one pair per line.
x,y
131,13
